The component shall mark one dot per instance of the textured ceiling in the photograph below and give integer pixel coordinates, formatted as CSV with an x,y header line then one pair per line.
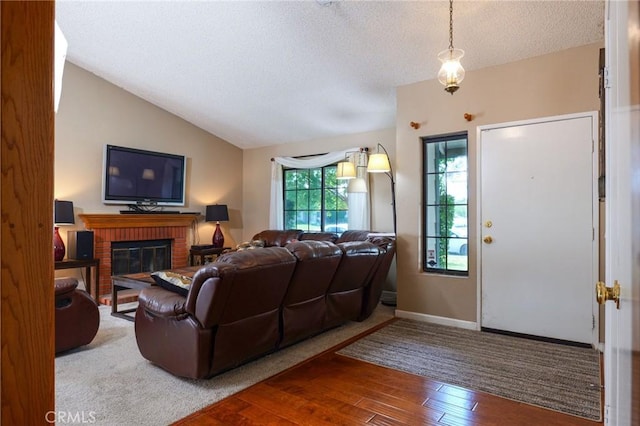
x,y
271,72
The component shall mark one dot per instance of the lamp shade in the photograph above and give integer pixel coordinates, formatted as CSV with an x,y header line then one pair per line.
x,y
63,212
217,213
346,170
378,163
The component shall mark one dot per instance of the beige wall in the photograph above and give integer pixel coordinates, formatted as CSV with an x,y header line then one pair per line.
x,y
94,112
555,84
257,177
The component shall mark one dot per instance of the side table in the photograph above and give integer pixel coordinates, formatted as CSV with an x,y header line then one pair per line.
x,y
202,251
88,264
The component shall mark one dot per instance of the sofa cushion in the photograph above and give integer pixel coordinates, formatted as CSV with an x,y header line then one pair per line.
x,y
353,235
311,249
277,237
319,236
250,245
173,282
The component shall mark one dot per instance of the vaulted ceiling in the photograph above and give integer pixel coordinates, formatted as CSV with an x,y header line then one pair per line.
x,y
270,72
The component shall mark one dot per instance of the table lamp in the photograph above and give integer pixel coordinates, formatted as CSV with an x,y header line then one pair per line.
x,y
62,215
217,213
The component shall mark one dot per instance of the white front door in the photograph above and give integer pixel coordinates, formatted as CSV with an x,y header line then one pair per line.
x,y
538,220
622,215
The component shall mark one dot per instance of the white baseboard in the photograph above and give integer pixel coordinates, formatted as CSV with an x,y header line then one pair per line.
x,y
469,325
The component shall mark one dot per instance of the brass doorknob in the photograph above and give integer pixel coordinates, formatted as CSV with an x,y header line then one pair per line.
x,y
488,239
604,293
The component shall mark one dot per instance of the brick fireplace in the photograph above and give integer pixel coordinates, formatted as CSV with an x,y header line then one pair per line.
x,y
110,228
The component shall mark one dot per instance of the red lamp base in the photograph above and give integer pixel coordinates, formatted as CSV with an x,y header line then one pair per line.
x,y
218,238
58,245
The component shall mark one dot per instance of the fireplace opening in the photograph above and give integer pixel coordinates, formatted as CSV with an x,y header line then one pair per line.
x,y
130,257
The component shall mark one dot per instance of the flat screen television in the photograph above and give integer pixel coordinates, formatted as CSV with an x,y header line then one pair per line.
x,y
138,177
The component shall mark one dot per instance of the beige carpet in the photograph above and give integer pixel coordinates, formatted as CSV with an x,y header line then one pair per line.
x,y
557,377
108,381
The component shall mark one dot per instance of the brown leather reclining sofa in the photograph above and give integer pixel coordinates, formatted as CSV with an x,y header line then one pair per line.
x,y
249,303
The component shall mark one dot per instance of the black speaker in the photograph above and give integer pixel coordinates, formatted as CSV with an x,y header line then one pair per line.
x,y
80,245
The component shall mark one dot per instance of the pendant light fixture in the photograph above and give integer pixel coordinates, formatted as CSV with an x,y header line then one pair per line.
x,y
451,73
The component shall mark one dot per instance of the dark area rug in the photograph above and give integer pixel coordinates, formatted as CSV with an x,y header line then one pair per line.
x,y
554,376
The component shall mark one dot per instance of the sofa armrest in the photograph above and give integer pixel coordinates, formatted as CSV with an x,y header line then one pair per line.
x,y
64,286
162,303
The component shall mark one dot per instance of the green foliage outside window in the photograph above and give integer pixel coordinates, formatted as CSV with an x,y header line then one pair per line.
x,y
314,200
445,191
446,223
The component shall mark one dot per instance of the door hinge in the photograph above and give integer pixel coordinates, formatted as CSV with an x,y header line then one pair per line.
x,y
593,322
605,76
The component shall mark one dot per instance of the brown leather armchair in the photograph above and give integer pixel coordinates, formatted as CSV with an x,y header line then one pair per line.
x,y
76,315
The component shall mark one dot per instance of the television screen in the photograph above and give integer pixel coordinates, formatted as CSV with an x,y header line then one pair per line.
x,y
135,176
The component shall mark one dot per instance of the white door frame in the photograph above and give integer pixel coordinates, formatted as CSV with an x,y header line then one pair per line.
x,y
595,207
622,18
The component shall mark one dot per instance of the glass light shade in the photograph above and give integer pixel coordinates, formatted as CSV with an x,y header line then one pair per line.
x,y
357,185
345,170
378,163
451,73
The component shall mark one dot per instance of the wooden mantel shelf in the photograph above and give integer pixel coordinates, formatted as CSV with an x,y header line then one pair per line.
x,y
97,221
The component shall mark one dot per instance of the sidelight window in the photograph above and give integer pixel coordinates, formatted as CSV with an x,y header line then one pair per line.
x,y
445,205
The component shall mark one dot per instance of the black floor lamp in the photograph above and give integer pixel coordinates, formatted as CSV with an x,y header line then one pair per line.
x,y
379,163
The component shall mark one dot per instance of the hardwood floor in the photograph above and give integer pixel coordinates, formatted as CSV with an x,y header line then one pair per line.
x,y
331,389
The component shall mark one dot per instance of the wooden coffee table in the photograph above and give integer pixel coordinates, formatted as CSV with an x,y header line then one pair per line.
x,y
137,281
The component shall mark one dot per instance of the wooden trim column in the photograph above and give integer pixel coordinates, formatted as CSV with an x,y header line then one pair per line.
x,y
26,220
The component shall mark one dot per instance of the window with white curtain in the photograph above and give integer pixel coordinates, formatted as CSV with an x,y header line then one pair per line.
x,y
314,200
